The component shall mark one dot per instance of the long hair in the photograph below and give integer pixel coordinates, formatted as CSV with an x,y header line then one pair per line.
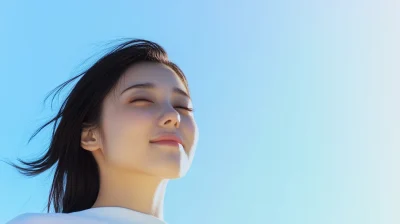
x,y
75,186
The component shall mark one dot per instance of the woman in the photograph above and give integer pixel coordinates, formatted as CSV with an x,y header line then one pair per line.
x,y
125,129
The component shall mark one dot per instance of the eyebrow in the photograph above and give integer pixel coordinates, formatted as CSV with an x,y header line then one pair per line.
x,y
152,86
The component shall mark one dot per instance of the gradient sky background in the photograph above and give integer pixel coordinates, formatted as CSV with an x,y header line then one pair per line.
x,y
297,102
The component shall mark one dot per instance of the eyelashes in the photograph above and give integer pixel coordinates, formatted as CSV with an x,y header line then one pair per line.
x,y
138,100
149,101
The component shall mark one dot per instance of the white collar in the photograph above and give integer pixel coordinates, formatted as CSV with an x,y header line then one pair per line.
x,y
121,213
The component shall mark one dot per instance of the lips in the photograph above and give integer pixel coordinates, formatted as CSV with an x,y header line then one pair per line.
x,y
167,139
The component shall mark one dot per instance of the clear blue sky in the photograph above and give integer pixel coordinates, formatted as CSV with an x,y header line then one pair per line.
x,y
297,102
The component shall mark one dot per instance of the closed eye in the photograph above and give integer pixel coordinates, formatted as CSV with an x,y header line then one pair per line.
x,y
139,100
146,100
186,108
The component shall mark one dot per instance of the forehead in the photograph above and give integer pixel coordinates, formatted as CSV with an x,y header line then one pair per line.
x,y
150,72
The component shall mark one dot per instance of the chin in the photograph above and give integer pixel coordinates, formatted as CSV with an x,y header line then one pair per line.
x,y
172,173
171,167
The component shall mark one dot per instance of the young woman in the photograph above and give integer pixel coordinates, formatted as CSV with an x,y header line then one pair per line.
x,y
125,129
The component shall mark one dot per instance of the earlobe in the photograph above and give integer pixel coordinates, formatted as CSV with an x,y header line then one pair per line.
x,y
89,140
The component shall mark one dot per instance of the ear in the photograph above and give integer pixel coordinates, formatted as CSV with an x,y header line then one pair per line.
x,y
90,139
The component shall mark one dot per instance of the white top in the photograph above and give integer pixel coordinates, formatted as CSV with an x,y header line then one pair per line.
x,y
98,215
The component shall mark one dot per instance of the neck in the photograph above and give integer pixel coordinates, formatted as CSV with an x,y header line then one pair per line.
x,y
135,191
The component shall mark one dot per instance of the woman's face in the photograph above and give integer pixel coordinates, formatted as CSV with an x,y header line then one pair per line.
x,y
149,102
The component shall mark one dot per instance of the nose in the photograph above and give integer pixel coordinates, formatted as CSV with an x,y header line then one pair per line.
x,y
170,118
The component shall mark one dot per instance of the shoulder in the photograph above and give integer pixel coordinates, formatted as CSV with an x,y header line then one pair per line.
x,y
33,218
26,218
59,218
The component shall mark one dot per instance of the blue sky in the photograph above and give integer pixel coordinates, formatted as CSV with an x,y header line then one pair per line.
x,y
296,102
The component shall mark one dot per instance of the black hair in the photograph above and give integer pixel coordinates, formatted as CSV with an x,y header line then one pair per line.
x,y
75,185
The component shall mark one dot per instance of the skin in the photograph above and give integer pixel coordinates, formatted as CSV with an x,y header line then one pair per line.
x,y
134,172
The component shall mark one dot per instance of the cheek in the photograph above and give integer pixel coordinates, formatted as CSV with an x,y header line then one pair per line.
x,y
190,131
126,138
